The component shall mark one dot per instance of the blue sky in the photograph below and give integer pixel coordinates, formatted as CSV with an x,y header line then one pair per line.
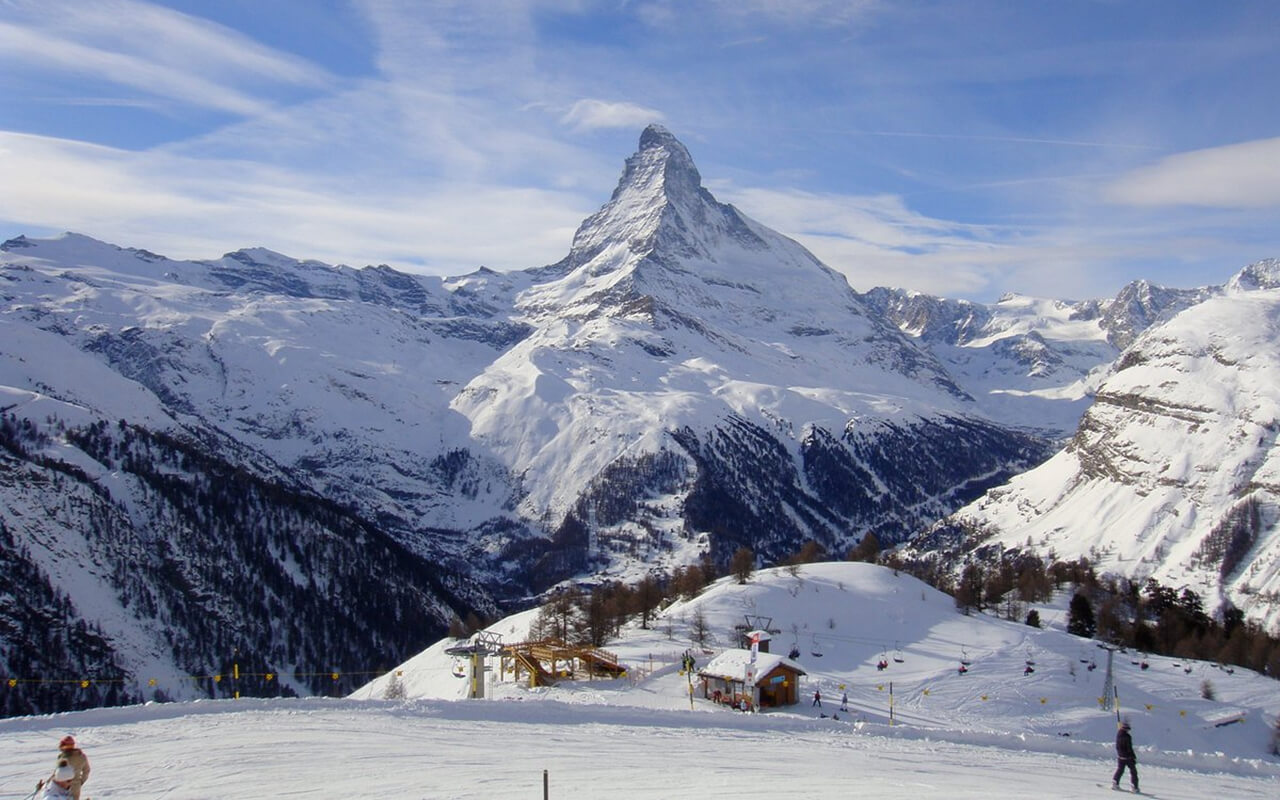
x,y
954,147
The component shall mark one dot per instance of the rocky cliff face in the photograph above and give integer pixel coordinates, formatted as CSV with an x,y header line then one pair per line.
x,y
1173,472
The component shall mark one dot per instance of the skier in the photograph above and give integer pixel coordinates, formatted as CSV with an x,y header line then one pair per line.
x,y
1126,757
817,699
78,761
844,702
58,785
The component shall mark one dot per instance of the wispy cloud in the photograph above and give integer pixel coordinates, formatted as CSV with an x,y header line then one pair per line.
x,y
792,12
880,241
154,198
1245,175
153,50
590,115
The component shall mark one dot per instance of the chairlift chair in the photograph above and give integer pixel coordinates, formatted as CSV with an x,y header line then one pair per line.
x,y
459,668
817,648
897,656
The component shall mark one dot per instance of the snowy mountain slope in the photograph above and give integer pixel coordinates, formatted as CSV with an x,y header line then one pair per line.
x,y
845,618
1173,473
604,738
684,382
1037,362
680,331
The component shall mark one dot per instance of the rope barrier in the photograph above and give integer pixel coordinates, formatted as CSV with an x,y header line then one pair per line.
x,y
85,683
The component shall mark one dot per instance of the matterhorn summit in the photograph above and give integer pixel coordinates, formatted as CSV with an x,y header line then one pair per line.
x,y
660,208
680,332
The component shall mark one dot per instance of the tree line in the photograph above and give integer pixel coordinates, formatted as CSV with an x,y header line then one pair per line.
x,y
1143,615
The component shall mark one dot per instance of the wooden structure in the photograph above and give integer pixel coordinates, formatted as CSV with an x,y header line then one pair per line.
x,y
761,636
546,661
772,681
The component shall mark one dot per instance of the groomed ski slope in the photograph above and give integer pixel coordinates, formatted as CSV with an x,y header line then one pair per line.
x,y
1034,736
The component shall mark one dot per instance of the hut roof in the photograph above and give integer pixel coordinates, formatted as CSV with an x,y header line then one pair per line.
x,y
732,664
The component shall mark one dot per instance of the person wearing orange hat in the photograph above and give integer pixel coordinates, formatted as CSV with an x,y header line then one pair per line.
x,y
77,760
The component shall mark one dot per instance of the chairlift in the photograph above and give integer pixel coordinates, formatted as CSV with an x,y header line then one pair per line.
x,y
964,657
1029,669
817,648
897,656
883,663
963,668
459,668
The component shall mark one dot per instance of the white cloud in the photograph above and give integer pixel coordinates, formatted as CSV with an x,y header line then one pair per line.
x,y
794,12
199,208
153,50
1245,175
876,240
589,115
34,48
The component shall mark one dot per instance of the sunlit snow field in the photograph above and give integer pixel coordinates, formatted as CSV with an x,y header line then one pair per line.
x,y
992,732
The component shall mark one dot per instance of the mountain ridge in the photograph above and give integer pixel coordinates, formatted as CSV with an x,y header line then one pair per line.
x,y
684,383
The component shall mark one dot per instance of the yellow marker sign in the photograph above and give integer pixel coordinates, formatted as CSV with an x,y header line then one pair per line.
x,y
1044,700
333,675
84,684
151,682
13,682
270,675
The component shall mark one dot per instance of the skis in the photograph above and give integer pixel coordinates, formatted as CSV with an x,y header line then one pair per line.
x,y
1122,789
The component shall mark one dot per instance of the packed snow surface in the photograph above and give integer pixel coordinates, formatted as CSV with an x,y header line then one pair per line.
x,y
996,731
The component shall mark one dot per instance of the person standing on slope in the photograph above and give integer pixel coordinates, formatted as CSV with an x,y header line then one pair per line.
x,y
75,757
1126,757
817,699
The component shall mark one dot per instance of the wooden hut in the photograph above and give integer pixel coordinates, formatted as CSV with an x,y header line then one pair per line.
x,y
773,680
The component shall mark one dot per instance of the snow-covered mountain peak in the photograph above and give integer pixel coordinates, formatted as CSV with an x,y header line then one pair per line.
x,y
660,209
1263,274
